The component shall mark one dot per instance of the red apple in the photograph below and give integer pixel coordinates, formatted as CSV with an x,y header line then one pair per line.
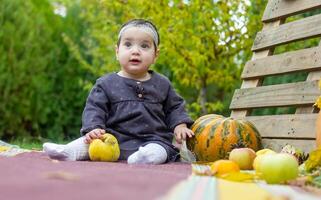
x,y
277,168
244,157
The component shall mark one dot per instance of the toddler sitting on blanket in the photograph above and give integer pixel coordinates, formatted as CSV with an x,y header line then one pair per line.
x,y
137,105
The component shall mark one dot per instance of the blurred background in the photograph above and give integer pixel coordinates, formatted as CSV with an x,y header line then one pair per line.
x,y
52,51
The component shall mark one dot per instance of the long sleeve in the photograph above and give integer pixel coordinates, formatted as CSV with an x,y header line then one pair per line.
x,y
96,110
175,110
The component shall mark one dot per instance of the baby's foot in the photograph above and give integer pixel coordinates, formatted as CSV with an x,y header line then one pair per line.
x,y
58,151
149,154
136,158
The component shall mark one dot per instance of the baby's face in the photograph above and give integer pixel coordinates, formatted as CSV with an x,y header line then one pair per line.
x,y
136,51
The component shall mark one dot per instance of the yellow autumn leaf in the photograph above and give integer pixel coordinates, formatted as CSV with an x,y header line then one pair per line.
x,y
4,148
239,176
204,169
318,102
314,160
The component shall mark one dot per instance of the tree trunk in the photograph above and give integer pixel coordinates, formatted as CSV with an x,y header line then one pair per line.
x,y
202,96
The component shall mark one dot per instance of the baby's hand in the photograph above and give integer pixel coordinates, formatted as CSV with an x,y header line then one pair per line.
x,y
181,132
94,134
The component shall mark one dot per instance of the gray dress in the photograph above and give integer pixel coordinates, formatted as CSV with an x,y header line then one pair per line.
x,y
135,112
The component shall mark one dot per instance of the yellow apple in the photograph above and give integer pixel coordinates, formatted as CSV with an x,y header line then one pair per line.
x,y
105,149
264,151
259,155
243,157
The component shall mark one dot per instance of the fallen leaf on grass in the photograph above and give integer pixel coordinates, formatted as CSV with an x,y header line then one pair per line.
x,y
61,175
4,148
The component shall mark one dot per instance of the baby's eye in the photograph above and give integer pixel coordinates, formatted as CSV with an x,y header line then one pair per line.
x,y
128,44
144,46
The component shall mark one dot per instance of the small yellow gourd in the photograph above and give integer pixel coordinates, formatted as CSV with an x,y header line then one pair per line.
x,y
105,149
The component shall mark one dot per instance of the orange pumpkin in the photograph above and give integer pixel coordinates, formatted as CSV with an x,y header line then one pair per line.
x,y
216,135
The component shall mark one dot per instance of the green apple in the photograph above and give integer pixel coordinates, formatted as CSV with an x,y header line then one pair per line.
x,y
277,168
243,157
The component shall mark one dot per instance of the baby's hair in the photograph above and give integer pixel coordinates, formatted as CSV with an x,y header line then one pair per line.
x,y
141,23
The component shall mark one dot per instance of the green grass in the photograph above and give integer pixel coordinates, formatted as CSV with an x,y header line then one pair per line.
x,y
32,146
31,143
27,144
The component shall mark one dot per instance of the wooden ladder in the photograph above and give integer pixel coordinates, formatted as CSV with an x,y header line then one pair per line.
x,y
297,129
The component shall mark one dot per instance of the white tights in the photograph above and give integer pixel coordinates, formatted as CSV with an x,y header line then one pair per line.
x,y
152,153
74,150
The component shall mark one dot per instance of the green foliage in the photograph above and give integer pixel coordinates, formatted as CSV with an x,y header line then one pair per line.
x,y
49,62
201,47
41,89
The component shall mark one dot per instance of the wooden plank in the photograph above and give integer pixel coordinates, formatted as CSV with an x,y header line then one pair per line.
x,y
306,109
301,60
298,30
277,144
285,126
250,84
315,75
277,9
311,77
279,130
256,82
290,94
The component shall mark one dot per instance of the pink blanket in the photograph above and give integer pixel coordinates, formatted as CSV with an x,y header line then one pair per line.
x,y
34,176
